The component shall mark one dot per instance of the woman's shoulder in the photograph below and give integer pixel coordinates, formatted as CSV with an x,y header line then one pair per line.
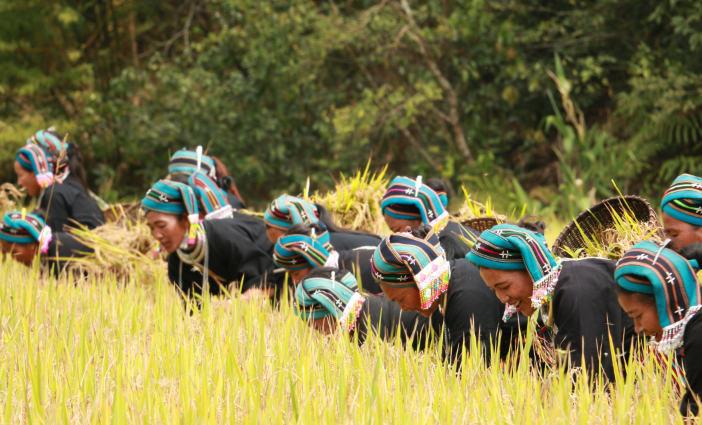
x,y
595,270
693,332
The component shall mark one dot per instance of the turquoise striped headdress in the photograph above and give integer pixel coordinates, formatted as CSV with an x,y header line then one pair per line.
x,y
287,210
187,161
175,198
212,199
650,268
402,260
47,141
23,228
297,252
338,296
683,200
409,199
34,158
510,247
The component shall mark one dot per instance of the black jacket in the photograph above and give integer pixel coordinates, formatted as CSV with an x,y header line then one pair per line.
x,y
233,256
63,202
349,241
62,248
357,261
586,311
691,353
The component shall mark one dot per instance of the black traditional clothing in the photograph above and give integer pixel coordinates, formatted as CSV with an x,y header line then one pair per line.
x,y
235,202
691,353
357,261
586,312
349,241
65,203
231,256
62,248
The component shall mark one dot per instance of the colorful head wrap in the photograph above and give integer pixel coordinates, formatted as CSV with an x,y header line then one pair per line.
x,y
47,141
297,252
287,210
510,247
409,199
683,200
186,161
175,198
212,199
402,260
23,228
649,268
443,197
34,158
337,296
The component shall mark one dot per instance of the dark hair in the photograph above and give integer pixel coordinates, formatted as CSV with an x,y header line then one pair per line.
x,y
325,216
75,160
537,227
437,185
452,244
648,299
39,212
304,229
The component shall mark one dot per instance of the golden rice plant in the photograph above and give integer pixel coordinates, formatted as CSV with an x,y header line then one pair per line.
x,y
10,197
355,201
471,208
118,351
123,246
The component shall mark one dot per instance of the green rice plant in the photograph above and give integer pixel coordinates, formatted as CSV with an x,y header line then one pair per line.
x,y
124,350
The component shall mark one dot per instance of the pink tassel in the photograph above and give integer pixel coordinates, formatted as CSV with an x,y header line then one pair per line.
x,y
44,238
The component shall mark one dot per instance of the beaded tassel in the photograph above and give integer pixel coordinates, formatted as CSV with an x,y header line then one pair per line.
x,y
673,335
351,312
194,233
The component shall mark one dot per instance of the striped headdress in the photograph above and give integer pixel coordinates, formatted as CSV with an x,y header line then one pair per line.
x,y
213,201
287,210
47,141
23,228
683,200
650,268
175,198
409,199
186,161
297,252
338,296
34,158
402,260
510,247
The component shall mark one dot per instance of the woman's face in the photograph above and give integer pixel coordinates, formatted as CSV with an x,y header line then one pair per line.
x,y
169,230
298,275
325,325
27,180
408,299
400,224
680,233
274,234
22,252
513,287
645,315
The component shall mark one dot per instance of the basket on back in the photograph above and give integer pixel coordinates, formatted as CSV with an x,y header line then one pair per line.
x,y
481,223
601,218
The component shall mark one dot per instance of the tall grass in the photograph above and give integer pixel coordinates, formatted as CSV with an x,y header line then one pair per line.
x,y
106,351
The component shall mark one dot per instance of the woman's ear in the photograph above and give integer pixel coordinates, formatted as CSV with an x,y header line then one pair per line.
x,y
184,220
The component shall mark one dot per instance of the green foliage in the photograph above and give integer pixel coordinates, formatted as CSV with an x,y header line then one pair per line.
x,y
285,90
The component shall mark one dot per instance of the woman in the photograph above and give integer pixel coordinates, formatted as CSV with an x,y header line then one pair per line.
x,y
682,211
329,299
439,187
659,289
515,262
207,256
25,236
413,271
187,160
307,246
410,203
287,210
43,176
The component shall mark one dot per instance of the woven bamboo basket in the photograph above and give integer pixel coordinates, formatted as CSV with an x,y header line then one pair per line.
x,y
481,223
600,218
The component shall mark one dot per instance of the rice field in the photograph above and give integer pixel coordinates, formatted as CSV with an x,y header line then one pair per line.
x,y
127,351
